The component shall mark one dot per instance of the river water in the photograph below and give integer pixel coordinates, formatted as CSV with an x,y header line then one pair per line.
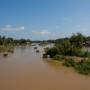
x,y
26,70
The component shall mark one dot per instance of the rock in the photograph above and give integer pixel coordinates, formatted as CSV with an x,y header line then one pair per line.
x,y
5,54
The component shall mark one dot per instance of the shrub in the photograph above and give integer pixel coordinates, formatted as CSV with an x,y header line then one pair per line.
x,y
64,47
52,52
69,63
83,67
58,57
86,54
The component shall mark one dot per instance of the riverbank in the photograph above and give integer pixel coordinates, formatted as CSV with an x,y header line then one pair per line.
x,y
71,52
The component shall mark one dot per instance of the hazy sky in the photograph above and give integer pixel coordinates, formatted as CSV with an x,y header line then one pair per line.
x,y
44,19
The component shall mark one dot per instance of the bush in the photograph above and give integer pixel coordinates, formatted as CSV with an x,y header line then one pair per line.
x,y
83,67
69,63
58,57
86,54
79,52
5,48
76,52
64,47
52,52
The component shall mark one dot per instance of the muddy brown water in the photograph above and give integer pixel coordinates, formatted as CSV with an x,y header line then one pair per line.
x,y
26,70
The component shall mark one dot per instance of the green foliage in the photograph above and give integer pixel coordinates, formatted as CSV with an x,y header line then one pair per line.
x,y
69,63
86,54
83,67
64,47
7,44
77,40
6,48
52,52
83,54
72,46
58,57
69,47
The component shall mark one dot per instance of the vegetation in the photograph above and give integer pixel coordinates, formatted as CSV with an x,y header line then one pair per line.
x,y
83,67
68,48
69,63
52,52
58,57
8,44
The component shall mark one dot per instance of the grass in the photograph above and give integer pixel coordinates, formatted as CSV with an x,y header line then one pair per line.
x,y
5,48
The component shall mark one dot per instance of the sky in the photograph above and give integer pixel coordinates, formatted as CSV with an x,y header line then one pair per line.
x,y
44,19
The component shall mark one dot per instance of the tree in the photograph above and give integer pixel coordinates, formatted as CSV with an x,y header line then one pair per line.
x,y
77,40
52,52
64,47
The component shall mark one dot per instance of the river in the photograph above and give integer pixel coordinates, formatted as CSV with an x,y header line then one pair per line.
x,y
26,70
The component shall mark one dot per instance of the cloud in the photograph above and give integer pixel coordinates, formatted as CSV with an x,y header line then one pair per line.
x,y
42,32
10,28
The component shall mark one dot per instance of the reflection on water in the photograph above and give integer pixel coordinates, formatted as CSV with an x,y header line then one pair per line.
x,y
26,70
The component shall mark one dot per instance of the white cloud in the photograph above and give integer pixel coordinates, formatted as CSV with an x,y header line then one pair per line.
x,y
10,28
42,32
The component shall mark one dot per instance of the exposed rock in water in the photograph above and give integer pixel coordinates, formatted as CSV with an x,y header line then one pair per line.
x,y
5,54
35,47
45,56
37,51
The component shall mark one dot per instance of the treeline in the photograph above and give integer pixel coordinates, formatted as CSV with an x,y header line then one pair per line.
x,y
44,41
69,46
8,44
86,41
7,41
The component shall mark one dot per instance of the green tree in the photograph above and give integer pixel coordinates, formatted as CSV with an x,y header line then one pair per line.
x,y
77,40
52,52
64,47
